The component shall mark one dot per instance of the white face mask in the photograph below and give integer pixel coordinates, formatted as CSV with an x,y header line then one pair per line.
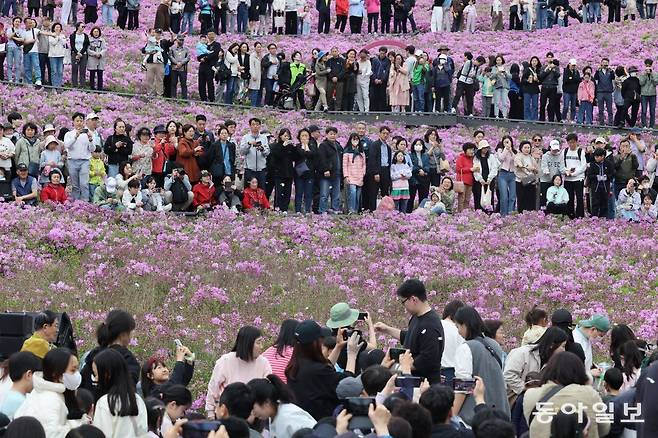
x,y
72,381
418,148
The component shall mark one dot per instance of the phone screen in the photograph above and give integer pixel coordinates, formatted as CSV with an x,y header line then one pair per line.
x,y
362,316
463,385
394,353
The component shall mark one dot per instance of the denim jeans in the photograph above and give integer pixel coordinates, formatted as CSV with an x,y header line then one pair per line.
x,y
243,16
585,112
187,21
255,97
419,97
10,4
79,179
107,12
231,86
112,170
303,195
329,186
541,15
569,102
507,191
401,205
32,70
14,64
649,103
594,12
57,71
353,198
501,102
530,106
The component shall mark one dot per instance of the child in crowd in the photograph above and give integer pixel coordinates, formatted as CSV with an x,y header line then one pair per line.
x,y
586,99
51,158
471,15
304,20
561,16
229,196
202,48
152,48
487,89
152,196
648,212
400,174
21,368
97,172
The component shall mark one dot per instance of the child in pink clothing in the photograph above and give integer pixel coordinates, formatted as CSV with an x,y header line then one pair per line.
x,y
354,169
586,99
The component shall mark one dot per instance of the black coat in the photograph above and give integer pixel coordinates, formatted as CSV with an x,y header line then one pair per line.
x,y
133,366
380,70
181,375
310,157
374,159
323,7
214,159
328,155
630,90
337,66
85,44
349,77
570,81
116,155
281,160
208,61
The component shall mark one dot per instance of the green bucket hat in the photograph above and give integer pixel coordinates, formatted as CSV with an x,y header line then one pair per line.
x,y
341,315
599,322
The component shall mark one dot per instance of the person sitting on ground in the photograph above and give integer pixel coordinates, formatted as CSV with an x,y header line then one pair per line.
x,y
54,191
230,196
6,192
22,366
557,197
155,373
253,197
628,202
25,188
132,197
46,328
107,196
152,196
649,211
205,197
178,190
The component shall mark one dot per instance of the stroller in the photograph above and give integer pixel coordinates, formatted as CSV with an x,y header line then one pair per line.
x,y
284,97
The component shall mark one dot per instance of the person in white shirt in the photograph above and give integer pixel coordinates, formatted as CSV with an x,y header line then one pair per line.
x,y
575,164
120,412
7,151
32,68
363,81
452,340
79,144
586,330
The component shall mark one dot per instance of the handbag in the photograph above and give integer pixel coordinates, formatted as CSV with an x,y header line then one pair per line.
x,y
527,180
459,185
309,89
302,168
485,200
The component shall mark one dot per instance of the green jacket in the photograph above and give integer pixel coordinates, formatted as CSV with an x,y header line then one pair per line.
x,y
648,84
419,74
101,198
295,71
486,85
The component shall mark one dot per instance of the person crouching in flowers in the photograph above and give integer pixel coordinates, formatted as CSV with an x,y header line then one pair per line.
x,y
152,196
54,191
254,197
205,197
155,374
628,202
132,197
400,174
648,212
557,197
432,205
354,169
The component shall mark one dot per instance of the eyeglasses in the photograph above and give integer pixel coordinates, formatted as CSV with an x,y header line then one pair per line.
x,y
405,300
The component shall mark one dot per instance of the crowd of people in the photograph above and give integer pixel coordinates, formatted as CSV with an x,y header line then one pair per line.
x,y
449,376
191,168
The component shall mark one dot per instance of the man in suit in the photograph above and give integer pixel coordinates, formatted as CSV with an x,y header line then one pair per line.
x,y
378,165
324,15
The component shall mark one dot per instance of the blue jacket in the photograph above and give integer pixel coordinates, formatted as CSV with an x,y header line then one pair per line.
x,y
442,77
380,69
357,8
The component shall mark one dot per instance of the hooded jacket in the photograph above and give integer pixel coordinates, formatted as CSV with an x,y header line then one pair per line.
x,y
46,404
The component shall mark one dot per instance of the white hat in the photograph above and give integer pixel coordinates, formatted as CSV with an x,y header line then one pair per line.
x,y
418,52
572,61
48,127
50,139
111,185
483,144
92,116
555,145
600,140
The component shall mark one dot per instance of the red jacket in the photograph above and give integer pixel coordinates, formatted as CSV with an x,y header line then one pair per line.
x,y
253,198
203,194
342,7
187,157
54,193
464,166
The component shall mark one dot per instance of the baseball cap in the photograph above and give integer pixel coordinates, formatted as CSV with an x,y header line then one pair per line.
x,y
159,129
111,185
600,140
341,315
349,387
418,52
561,317
443,47
308,331
555,145
572,61
91,116
598,321
21,166
205,173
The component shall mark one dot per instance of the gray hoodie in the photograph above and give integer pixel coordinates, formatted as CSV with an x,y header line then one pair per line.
x,y
551,165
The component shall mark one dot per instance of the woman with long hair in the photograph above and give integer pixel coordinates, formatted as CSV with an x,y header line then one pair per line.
x,y
527,177
506,176
242,364
530,88
619,335
305,159
631,356
354,171
156,374
485,177
279,354
52,400
311,376
120,412
115,333
280,164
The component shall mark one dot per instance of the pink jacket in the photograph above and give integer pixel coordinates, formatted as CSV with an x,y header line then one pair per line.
x,y
354,171
372,6
586,91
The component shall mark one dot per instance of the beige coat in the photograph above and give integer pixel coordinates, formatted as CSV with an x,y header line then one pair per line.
x,y
255,70
519,362
398,87
569,395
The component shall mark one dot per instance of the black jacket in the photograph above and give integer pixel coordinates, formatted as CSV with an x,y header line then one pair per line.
x,y
314,388
529,87
380,70
631,90
283,72
374,158
85,44
570,81
594,170
133,366
208,61
337,66
349,78
328,155
281,160
116,155
214,159
425,340
310,157
549,77
181,375
323,6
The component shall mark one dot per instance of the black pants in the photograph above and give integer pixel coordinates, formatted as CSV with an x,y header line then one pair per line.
x,y
422,188
291,22
348,101
378,97
206,23
466,91
298,99
557,208
386,23
634,106
176,77
457,22
282,191
93,83
91,14
526,197
122,16
341,21
44,64
442,95
435,177
206,84
599,202
372,22
575,190
477,194
133,19
374,188
355,24
514,22
547,104
48,11
33,12
166,85
324,21
338,88
412,21
614,12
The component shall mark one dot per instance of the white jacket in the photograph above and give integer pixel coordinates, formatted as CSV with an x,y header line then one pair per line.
x,y
289,419
494,164
279,5
121,427
46,404
231,62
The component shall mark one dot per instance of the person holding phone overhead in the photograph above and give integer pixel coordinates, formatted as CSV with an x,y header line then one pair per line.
x,y
424,335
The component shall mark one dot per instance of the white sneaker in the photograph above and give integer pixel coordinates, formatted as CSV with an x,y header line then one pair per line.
x,y
234,209
37,83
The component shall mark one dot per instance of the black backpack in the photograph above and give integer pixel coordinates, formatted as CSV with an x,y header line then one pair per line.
x,y
223,72
178,192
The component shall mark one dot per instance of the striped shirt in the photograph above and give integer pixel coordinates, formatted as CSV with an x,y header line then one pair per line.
x,y
278,363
